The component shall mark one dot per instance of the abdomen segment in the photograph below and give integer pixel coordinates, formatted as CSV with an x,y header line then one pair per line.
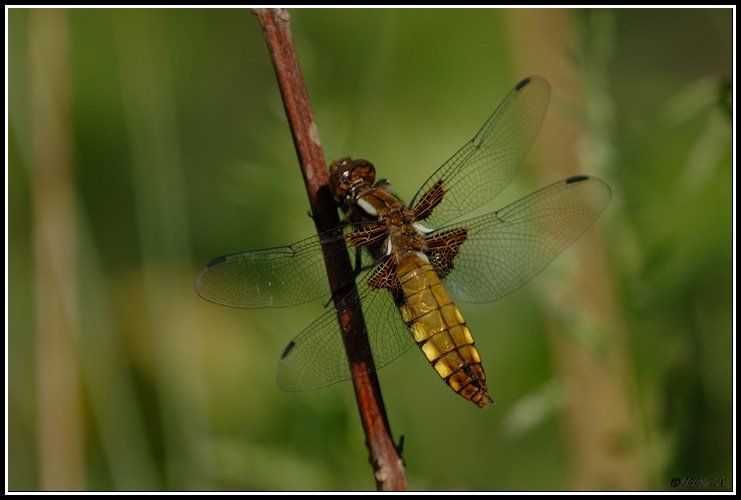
x,y
440,330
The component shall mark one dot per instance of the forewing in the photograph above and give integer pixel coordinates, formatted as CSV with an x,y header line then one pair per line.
x,y
273,277
484,166
506,248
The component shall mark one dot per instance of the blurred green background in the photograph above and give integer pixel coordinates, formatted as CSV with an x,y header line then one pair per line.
x,y
143,143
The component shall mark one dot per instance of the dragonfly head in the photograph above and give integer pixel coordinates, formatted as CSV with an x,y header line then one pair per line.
x,y
347,177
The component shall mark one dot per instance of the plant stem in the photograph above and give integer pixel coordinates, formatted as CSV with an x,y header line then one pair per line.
x,y
384,457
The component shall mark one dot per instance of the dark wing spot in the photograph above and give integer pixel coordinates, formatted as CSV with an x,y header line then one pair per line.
x,y
288,348
216,261
522,83
576,178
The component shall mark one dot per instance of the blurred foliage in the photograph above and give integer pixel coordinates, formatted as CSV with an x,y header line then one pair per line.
x,y
181,153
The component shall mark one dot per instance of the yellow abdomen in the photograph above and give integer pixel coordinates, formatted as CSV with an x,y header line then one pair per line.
x,y
440,330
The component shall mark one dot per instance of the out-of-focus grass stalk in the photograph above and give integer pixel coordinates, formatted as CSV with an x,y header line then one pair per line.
x,y
61,435
160,204
73,345
116,409
586,328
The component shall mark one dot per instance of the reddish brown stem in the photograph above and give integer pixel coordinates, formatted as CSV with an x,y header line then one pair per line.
x,y
384,457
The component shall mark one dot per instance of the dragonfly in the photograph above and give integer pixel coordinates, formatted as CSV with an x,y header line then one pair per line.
x,y
414,263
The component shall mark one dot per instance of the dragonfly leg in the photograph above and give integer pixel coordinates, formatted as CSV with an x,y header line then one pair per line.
x,y
400,446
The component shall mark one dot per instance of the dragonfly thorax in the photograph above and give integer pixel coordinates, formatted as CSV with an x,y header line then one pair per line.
x,y
404,234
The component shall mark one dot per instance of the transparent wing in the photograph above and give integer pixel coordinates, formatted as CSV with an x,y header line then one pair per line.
x,y
273,277
506,248
484,166
316,357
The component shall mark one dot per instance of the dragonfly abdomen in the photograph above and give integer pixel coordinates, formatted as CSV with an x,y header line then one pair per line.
x,y
440,330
